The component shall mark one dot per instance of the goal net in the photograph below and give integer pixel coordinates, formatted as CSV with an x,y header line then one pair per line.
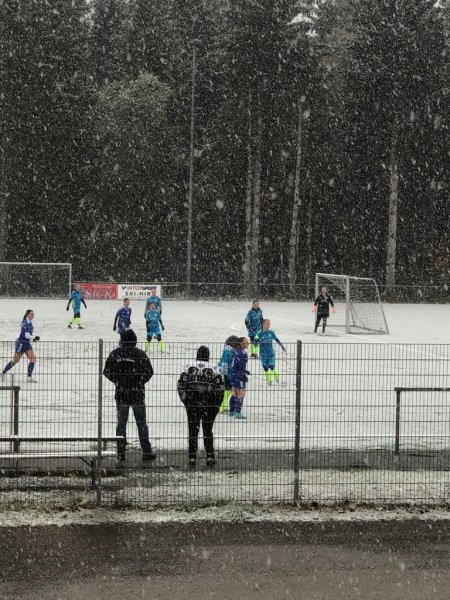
x,y
359,307
35,280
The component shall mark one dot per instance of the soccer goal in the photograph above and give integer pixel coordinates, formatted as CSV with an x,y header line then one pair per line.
x,y
359,307
35,280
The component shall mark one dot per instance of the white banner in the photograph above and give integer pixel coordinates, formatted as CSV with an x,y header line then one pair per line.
x,y
136,291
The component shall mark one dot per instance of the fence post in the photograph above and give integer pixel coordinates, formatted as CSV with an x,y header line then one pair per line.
x,y
16,390
398,392
298,391
98,475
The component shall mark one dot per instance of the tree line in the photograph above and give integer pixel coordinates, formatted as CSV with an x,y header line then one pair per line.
x,y
308,135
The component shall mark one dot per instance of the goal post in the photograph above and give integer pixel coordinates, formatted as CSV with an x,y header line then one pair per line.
x,y
35,280
359,309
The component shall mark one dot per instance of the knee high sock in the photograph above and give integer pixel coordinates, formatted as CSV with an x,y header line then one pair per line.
x,y
8,366
30,368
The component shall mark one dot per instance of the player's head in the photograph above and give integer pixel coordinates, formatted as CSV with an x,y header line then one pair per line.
x,y
153,290
203,354
126,301
232,341
128,338
152,305
243,342
324,289
266,324
29,314
255,304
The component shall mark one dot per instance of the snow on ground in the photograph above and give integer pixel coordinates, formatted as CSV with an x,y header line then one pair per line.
x,y
348,399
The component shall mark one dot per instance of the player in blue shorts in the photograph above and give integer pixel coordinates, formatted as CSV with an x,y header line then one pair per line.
x,y
224,365
253,322
265,339
238,378
154,325
153,299
122,320
76,298
23,346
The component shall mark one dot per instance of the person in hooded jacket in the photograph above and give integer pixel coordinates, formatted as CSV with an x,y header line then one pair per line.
x,y
201,389
129,368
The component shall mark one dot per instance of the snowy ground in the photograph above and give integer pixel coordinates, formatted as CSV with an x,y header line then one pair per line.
x,y
348,398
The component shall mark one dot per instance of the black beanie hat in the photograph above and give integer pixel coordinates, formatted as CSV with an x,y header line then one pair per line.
x,y
203,354
128,337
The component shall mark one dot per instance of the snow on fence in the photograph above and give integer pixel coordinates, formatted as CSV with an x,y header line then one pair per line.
x,y
333,429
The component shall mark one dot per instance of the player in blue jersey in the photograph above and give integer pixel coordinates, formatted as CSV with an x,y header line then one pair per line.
x,y
253,322
224,365
154,325
122,320
76,298
23,346
153,299
238,378
265,339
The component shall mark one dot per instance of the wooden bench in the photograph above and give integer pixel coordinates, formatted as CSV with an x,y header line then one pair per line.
x,y
92,458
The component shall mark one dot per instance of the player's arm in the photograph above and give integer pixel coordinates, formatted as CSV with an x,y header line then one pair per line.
x,y
115,320
68,304
160,322
247,320
279,343
332,304
83,301
316,302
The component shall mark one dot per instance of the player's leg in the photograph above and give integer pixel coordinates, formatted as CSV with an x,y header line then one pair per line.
x,y
148,340
318,319
240,395
265,366
161,344
324,324
31,363
15,359
226,395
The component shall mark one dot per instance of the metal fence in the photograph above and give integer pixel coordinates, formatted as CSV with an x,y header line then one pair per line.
x,y
346,422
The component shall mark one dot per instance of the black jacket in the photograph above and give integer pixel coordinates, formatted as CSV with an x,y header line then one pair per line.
x,y
323,305
201,385
129,368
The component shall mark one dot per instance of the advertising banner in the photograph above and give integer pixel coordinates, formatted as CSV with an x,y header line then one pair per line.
x,y
136,291
99,291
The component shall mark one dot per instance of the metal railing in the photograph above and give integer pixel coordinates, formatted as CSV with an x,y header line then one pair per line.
x,y
327,432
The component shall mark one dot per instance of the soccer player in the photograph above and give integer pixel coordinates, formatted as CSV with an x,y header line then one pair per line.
x,y
253,322
265,339
224,365
153,298
76,298
238,378
122,320
322,307
23,346
154,325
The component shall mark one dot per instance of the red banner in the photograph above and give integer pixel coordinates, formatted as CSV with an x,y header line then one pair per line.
x,y
99,291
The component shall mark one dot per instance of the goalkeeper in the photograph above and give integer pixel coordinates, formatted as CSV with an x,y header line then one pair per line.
x,y
322,307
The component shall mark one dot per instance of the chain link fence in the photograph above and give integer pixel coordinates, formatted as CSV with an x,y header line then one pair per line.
x,y
346,422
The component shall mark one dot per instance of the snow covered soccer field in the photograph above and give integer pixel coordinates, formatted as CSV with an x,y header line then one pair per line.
x,y
341,407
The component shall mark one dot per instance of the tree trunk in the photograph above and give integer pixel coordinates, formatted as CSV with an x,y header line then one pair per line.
x,y
293,239
393,213
256,204
249,202
309,241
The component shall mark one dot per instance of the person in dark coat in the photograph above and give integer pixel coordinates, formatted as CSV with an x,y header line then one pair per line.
x,y
201,389
129,368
